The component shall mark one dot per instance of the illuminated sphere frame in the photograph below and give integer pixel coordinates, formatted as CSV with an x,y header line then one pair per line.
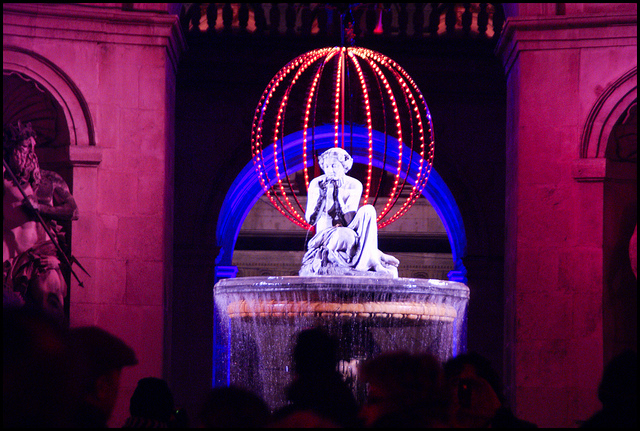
x,y
346,87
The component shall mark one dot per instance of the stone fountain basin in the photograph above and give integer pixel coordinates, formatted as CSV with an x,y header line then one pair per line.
x,y
344,297
260,316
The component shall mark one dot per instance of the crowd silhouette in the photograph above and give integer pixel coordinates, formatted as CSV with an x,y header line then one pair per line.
x,y
151,405
318,392
55,377
618,393
59,377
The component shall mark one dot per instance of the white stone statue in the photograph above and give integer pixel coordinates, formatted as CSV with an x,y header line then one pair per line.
x,y
346,239
34,200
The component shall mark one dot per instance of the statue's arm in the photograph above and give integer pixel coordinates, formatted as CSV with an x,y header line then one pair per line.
x,y
54,198
352,192
313,196
65,206
316,199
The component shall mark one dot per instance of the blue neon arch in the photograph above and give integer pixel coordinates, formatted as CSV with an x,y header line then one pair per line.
x,y
246,190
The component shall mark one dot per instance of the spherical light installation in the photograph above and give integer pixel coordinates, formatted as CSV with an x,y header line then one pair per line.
x,y
348,88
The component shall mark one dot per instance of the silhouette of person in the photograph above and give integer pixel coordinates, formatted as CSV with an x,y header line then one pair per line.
x,y
318,393
404,390
151,405
39,384
233,407
618,393
102,356
476,398
346,238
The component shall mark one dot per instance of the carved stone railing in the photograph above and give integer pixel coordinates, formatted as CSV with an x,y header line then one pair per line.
x,y
369,20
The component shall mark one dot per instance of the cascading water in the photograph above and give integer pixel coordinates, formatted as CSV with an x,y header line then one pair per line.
x,y
260,317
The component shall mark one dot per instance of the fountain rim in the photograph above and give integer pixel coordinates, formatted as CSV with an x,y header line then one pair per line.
x,y
342,284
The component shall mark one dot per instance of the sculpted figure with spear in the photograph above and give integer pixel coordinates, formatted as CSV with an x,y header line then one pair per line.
x,y
33,201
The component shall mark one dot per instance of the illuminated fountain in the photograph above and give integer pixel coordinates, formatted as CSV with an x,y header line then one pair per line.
x,y
368,315
365,103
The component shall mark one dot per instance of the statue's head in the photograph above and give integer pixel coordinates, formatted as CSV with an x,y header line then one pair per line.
x,y
18,149
16,134
336,154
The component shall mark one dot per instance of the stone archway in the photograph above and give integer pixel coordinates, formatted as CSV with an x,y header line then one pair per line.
x,y
620,203
246,190
604,114
61,88
608,154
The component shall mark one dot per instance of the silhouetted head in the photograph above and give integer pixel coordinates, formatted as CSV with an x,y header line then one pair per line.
x,y
101,357
403,376
233,407
482,367
39,389
619,386
398,383
152,399
103,351
315,352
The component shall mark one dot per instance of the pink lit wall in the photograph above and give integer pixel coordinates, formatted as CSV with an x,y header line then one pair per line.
x,y
114,70
151,163
560,64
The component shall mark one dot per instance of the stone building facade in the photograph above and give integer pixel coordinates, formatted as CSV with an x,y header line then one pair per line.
x,y
152,125
570,204
110,71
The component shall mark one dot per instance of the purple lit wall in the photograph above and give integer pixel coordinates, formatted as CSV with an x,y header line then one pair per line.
x,y
528,139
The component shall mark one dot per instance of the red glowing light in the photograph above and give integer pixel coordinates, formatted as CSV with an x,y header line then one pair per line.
x,y
344,86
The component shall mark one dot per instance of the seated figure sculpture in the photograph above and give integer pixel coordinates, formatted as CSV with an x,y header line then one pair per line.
x,y
346,238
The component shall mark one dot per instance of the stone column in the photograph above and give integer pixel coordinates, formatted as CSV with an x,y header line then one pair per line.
x,y
558,58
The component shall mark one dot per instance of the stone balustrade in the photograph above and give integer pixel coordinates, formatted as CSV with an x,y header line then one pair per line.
x,y
370,20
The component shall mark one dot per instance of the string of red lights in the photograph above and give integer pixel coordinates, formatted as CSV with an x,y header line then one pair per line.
x,y
339,85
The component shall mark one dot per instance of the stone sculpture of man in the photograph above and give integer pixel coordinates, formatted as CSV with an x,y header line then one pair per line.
x,y
31,261
346,239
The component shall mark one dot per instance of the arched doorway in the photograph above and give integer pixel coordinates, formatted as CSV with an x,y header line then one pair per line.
x,y
609,151
620,292
246,190
72,106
